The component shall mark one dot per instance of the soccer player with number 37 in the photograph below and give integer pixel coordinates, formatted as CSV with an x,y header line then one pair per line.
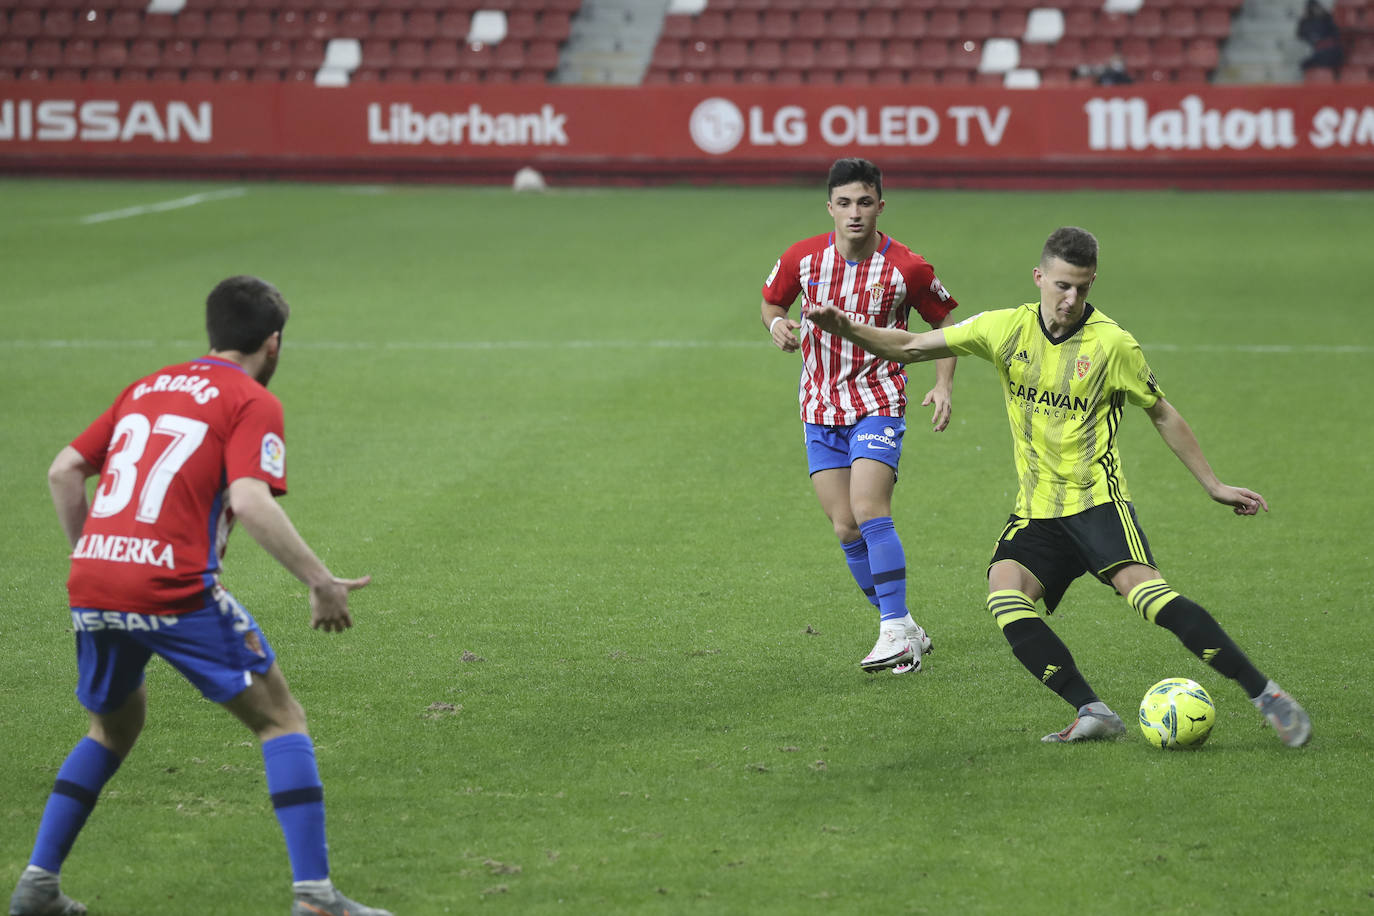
x,y
852,403
181,455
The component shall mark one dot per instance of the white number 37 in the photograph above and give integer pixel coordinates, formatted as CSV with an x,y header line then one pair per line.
x,y
130,441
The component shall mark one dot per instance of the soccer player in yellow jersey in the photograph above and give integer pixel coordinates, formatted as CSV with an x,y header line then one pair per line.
x,y
1067,372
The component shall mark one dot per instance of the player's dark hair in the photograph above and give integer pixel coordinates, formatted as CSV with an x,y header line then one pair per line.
x,y
1072,246
848,171
242,312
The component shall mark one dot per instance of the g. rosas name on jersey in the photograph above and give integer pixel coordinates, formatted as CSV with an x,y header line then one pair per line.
x,y
198,388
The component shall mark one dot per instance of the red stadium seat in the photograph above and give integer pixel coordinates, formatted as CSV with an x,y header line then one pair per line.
x,y
901,55
222,24
1148,22
178,54
978,25
389,24
1113,25
509,55
25,24
798,54
275,54
877,24
257,25
943,23
77,53
442,54
868,54
676,26
189,24
377,54
810,24
58,24
353,24
112,53
14,52
911,25
1137,53
1167,53
454,24
90,24
732,54
422,24
1080,23
1201,52
541,55
765,54
844,24
1214,23
555,25
1180,22
1009,23
709,25
521,25
212,53
778,24
127,24
243,54
667,54
833,53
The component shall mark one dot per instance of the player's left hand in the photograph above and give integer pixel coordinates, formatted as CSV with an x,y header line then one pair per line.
x,y
1241,500
827,318
944,407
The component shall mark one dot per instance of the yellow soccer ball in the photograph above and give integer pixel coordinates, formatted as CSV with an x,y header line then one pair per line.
x,y
1177,713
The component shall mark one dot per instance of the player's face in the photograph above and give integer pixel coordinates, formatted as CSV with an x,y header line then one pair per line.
x,y
855,208
1063,291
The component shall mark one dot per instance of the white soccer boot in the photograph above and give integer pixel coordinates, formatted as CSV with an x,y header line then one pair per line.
x,y
921,646
892,649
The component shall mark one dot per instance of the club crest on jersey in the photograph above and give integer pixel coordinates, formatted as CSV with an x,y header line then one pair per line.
x,y
876,293
274,455
1082,366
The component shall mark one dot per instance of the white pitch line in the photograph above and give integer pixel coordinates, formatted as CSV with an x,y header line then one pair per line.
x,y
464,345
163,206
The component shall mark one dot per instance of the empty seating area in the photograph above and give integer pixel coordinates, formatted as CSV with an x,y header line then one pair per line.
x,y
1355,18
926,42
496,41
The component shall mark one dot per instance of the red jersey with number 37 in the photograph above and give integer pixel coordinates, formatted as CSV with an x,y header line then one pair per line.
x,y
167,450
841,383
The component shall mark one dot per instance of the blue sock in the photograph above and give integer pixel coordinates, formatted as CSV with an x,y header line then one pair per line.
x,y
79,781
887,561
856,555
298,799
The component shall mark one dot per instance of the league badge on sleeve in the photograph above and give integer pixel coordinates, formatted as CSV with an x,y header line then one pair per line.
x,y
274,455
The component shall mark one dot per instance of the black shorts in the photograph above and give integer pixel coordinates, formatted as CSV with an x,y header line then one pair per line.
x,y
1058,550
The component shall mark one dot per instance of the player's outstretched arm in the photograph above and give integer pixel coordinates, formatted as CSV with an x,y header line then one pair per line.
x,y
1178,435
268,523
782,329
887,343
67,483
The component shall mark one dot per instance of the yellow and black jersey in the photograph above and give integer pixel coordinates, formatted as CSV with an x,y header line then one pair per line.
x,y
1065,397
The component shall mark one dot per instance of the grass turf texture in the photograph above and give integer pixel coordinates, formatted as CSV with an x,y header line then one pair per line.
x,y
608,662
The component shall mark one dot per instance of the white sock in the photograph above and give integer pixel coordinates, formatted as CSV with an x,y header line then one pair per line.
x,y
896,623
321,888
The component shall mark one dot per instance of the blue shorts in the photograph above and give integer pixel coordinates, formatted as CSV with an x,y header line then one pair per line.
x,y
216,648
879,438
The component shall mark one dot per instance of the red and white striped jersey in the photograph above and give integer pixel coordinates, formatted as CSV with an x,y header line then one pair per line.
x,y
840,382
167,449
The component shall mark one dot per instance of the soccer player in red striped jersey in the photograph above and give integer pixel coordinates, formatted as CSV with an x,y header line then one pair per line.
x,y
181,455
852,404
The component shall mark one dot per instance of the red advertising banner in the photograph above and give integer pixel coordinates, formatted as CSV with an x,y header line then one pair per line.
x,y
1168,132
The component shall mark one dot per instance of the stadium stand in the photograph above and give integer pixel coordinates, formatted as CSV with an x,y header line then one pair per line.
x,y
398,40
940,42
1021,43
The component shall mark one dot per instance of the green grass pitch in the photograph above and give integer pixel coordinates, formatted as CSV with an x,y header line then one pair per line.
x,y
608,661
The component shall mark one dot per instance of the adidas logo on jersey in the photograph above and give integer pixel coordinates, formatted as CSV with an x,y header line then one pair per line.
x,y
1022,357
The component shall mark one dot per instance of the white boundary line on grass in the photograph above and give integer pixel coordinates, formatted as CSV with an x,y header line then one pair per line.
x,y
460,345
162,206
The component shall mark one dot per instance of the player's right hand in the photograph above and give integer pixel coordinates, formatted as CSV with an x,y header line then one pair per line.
x,y
329,604
784,334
